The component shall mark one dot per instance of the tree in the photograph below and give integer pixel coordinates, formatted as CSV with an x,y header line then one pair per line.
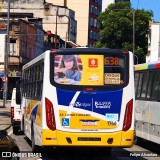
x,y
116,29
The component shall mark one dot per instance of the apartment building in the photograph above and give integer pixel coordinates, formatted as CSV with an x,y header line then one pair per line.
x,y
86,13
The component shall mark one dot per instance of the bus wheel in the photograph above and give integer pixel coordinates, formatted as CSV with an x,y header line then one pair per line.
x,y
34,147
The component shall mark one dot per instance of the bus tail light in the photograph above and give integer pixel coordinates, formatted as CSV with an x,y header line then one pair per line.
x,y
128,116
12,112
124,52
50,117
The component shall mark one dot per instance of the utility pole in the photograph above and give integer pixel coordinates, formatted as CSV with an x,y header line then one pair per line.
x,y
56,29
133,34
133,12
5,85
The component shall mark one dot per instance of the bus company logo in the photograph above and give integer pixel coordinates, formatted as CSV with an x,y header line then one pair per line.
x,y
103,104
93,62
79,104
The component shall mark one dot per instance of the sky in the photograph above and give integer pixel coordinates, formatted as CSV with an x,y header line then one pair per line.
x,y
147,5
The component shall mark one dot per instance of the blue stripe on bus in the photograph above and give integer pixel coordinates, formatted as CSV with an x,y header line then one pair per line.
x,y
101,102
98,102
151,66
34,113
64,97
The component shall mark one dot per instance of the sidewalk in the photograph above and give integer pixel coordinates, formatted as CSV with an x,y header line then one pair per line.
x,y
8,103
5,119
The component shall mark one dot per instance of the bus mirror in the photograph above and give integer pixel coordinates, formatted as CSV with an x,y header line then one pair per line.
x,y
18,93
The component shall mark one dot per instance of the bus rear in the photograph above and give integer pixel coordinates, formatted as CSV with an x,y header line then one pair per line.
x,y
95,109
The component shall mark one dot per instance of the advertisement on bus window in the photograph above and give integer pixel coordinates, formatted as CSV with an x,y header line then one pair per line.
x,y
88,70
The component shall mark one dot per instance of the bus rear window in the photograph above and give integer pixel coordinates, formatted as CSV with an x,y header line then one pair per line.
x,y
84,70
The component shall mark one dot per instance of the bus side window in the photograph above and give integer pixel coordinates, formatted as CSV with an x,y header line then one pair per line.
x,y
136,81
154,92
144,84
139,85
149,86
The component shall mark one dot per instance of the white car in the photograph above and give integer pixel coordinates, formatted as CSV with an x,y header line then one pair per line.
x,y
15,113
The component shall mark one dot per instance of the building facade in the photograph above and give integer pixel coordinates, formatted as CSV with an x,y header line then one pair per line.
x,y
86,13
108,2
59,20
153,43
23,46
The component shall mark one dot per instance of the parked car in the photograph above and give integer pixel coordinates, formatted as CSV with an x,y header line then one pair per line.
x,y
15,113
8,144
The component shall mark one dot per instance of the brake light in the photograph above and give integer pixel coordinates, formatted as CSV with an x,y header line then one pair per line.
x,y
54,51
124,52
89,89
128,116
12,112
50,118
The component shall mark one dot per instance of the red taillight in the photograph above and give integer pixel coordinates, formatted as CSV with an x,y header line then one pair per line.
x,y
89,89
50,118
124,52
54,51
12,112
128,116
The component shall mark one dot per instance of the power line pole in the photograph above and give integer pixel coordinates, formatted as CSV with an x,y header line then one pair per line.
x,y
5,85
133,34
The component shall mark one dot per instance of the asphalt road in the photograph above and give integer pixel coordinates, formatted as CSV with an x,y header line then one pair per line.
x,y
150,151
144,147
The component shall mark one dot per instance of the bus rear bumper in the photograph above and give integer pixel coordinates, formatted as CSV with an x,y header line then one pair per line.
x,y
115,139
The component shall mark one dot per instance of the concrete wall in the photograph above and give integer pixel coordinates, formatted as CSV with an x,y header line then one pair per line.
x,y
39,41
81,9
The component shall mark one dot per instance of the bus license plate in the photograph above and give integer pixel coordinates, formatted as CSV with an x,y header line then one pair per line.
x,y
89,123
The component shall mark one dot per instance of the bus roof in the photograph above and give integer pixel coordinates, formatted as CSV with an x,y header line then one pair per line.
x,y
145,66
88,50
35,60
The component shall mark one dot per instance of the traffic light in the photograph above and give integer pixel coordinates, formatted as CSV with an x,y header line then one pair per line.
x,y
49,33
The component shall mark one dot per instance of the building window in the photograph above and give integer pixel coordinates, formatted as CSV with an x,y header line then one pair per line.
x,y
92,9
96,11
92,22
91,34
13,49
97,1
95,23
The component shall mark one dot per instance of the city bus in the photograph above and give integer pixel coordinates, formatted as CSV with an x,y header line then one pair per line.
x,y
81,97
147,95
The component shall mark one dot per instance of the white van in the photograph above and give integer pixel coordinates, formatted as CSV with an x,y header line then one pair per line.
x,y
15,113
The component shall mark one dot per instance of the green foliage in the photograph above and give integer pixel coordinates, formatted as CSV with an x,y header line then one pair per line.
x,y
116,29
